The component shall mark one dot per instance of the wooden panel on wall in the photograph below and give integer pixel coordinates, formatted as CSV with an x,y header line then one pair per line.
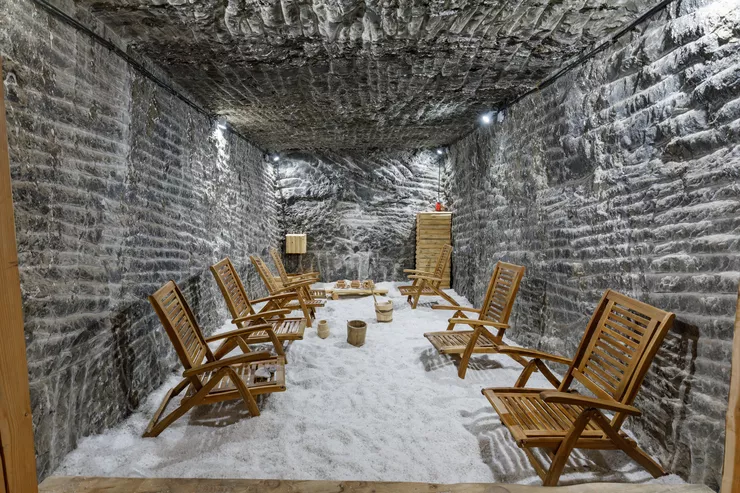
x,y
731,472
16,427
433,231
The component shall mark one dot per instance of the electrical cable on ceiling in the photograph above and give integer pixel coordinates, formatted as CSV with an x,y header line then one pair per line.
x,y
71,21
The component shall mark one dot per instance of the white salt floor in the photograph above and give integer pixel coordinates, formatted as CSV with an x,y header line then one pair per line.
x,y
393,410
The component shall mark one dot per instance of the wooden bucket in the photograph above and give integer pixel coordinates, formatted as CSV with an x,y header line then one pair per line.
x,y
356,330
383,310
323,329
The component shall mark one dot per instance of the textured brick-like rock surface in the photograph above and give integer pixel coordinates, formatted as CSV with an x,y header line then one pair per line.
x,y
118,188
624,175
358,210
301,74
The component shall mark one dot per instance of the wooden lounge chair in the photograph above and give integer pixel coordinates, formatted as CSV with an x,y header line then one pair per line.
x,y
244,314
209,379
286,278
500,296
291,296
428,283
611,362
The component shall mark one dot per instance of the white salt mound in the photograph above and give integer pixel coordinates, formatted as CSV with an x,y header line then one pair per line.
x,y
392,410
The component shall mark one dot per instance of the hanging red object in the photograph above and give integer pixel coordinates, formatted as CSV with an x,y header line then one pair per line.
x,y
438,206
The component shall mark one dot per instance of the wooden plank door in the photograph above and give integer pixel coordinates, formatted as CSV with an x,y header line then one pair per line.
x,y
16,427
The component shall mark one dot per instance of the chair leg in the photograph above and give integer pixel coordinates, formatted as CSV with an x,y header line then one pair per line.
x,y
566,447
457,314
225,348
245,393
526,373
635,452
463,369
278,345
446,296
419,289
409,298
155,429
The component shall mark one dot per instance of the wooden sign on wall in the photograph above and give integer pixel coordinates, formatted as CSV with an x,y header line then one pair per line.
x,y
16,428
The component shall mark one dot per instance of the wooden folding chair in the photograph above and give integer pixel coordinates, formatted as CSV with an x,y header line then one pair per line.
x,y
428,283
286,278
291,296
611,362
244,314
209,379
495,311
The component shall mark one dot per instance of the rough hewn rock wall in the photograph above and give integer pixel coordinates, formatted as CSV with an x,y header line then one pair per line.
x,y
118,187
624,175
358,209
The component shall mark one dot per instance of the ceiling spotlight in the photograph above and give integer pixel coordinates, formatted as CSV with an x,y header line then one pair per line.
x,y
440,151
221,125
276,158
486,119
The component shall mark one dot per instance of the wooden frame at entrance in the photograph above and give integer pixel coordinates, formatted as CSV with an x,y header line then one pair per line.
x,y
731,469
17,457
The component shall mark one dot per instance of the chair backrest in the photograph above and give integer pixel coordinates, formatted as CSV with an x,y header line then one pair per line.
x,y
275,254
442,259
501,293
232,288
271,283
617,348
180,324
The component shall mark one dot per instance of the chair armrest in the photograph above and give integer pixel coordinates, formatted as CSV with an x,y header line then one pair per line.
x,y
265,314
294,286
239,332
425,277
484,323
585,401
456,308
275,297
533,353
234,360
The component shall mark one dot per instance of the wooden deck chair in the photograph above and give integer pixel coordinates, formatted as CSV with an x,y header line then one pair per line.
x,y
209,379
611,362
500,296
244,314
286,278
291,296
428,283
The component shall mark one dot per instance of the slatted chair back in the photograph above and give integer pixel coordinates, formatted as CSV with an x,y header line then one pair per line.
x,y
264,272
442,259
501,293
275,254
616,351
180,324
232,288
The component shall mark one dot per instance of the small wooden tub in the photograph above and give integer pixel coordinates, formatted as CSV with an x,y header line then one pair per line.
x,y
356,331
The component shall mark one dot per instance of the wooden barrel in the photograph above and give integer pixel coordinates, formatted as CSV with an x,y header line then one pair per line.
x,y
356,330
384,311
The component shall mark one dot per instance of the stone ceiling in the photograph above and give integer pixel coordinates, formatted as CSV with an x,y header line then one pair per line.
x,y
354,74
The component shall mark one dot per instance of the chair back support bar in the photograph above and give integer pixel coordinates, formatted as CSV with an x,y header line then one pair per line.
x,y
265,274
180,324
275,254
501,293
616,351
232,288
442,259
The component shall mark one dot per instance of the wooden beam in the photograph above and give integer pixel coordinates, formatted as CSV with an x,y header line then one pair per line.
x,y
63,484
731,471
16,427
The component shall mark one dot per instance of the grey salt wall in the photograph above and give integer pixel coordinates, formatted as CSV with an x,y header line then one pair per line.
x,y
624,175
357,208
118,187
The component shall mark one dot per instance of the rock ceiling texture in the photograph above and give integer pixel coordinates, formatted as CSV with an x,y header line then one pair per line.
x,y
354,74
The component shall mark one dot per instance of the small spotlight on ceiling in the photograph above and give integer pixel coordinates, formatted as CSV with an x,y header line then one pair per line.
x,y
276,158
221,125
440,151
487,119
